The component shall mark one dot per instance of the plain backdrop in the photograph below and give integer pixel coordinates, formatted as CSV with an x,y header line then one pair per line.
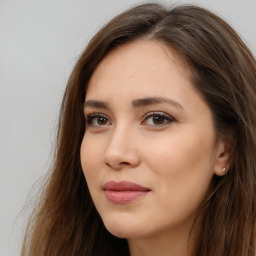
x,y
39,44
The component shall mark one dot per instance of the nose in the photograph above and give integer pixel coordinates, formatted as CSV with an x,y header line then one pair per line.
x,y
122,150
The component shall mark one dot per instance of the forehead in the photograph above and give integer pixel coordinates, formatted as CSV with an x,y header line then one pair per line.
x,y
143,62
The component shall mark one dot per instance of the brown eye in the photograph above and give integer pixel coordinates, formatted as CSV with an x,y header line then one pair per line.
x,y
97,120
157,118
101,121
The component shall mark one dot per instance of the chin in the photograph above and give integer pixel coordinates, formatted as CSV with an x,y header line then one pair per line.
x,y
121,228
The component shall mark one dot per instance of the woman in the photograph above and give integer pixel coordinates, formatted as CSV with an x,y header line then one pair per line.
x,y
156,145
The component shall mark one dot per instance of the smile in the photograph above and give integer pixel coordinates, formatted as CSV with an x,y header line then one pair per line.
x,y
124,192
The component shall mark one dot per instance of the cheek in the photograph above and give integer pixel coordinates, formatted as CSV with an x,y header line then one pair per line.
x,y
89,155
90,160
180,153
182,166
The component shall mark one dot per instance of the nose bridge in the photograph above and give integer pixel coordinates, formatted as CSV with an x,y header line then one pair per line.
x,y
118,137
121,149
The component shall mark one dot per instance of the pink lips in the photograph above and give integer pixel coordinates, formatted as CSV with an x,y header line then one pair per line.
x,y
123,192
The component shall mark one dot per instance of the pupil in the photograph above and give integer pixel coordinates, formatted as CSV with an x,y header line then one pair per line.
x,y
158,120
101,120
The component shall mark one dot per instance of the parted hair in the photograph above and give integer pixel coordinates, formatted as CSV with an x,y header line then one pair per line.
x,y
223,70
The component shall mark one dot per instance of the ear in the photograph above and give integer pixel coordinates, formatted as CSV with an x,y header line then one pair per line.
x,y
223,156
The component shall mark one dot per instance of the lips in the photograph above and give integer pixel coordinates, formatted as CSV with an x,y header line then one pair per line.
x,y
124,191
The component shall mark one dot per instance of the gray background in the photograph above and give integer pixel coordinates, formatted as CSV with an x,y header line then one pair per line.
x,y
39,44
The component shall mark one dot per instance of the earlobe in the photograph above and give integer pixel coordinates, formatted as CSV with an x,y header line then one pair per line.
x,y
223,157
221,172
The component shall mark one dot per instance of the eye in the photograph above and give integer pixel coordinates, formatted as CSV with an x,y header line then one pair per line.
x,y
157,118
96,120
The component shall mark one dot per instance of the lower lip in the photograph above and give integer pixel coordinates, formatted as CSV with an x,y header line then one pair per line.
x,y
123,197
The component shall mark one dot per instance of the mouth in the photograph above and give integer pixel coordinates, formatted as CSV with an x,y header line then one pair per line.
x,y
124,192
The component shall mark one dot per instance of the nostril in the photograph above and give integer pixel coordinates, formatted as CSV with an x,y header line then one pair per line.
x,y
117,159
124,163
118,165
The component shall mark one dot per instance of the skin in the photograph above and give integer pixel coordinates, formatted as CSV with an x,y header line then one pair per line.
x,y
175,155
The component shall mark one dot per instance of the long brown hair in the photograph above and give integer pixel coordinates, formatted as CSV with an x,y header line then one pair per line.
x,y
65,221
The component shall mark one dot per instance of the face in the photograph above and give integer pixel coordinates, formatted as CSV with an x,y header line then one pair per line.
x,y
150,150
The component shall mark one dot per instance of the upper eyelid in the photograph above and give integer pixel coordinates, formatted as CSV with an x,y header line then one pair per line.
x,y
145,116
161,113
96,114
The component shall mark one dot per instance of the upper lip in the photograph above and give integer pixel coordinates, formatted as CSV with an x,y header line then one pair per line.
x,y
123,186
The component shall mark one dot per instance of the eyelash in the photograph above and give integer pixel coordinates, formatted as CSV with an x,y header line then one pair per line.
x,y
89,118
167,118
163,116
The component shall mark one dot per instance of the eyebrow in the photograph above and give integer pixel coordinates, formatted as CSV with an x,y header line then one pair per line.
x,y
155,100
96,104
135,103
